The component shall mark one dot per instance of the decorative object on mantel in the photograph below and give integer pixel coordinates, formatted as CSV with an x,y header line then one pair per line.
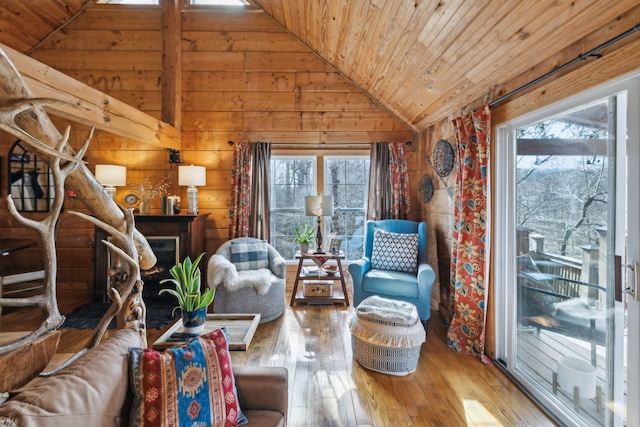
x,y
129,199
426,189
192,301
443,158
149,191
192,177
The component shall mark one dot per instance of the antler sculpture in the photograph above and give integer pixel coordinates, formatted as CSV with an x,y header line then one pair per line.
x,y
125,282
46,230
24,116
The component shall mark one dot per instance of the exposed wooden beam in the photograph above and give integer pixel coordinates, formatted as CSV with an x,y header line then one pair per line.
x,y
171,62
95,108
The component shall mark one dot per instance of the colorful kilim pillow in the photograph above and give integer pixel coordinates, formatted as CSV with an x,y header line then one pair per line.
x,y
249,255
395,251
188,385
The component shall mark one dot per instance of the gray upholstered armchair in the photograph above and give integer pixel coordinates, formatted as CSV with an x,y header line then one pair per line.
x,y
249,276
395,265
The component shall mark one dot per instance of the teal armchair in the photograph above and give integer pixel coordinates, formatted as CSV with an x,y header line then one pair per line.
x,y
414,288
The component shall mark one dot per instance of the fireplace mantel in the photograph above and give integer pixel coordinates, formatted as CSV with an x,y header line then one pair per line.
x,y
189,229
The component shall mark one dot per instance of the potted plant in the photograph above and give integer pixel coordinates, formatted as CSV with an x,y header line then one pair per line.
x,y
304,237
191,299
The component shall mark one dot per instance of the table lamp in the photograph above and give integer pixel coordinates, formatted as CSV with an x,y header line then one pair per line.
x,y
318,206
192,176
111,176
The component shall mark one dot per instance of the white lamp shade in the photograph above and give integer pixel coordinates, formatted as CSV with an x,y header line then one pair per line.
x,y
112,175
318,205
192,175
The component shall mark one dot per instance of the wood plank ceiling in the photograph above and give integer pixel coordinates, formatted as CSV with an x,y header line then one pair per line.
x,y
421,60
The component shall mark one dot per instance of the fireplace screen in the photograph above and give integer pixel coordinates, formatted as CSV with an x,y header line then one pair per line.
x,y
167,251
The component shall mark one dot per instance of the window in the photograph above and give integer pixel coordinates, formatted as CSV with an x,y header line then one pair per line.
x,y
294,177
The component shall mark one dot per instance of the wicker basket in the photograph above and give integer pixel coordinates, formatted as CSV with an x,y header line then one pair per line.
x,y
387,335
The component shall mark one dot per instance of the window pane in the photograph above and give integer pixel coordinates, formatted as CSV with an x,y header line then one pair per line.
x,y
292,178
346,178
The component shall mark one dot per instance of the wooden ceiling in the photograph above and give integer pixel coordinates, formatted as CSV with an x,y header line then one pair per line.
x,y
422,60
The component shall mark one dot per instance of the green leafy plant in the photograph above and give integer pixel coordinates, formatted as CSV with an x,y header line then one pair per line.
x,y
186,278
304,235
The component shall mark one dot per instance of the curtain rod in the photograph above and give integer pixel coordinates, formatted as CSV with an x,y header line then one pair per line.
x,y
580,57
315,145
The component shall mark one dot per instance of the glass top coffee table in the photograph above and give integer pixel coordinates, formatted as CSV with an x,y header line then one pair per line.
x,y
241,328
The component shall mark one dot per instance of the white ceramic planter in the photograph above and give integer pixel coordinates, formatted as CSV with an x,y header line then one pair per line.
x,y
574,372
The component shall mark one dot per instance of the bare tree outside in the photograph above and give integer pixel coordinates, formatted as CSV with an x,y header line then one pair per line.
x,y
561,193
345,178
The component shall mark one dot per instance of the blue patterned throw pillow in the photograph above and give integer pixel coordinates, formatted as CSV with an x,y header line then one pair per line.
x,y
395,251
249,255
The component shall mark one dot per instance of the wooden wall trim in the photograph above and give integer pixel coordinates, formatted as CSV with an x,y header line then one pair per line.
x,y
98,109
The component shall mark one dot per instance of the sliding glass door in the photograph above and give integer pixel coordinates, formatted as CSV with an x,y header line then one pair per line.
x,y
561,192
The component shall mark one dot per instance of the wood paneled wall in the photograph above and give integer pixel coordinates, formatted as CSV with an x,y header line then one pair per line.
x,y
243,79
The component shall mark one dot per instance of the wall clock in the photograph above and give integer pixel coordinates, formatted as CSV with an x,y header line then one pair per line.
x,y
130,199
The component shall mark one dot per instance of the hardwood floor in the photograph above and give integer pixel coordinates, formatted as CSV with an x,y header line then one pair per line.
x,y
328,388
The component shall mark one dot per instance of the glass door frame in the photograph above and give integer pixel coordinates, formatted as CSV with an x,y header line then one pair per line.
x,y
505,244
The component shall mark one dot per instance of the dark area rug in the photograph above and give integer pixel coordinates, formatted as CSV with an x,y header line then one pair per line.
x,y
87,316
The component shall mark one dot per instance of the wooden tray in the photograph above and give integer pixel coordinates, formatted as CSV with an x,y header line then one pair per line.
x,y
241,328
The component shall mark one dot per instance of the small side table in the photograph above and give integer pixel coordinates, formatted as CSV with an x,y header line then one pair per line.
x,y
339,295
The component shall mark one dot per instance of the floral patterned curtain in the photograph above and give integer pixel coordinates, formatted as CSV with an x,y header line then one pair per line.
x,y
399,177
240,201
468,257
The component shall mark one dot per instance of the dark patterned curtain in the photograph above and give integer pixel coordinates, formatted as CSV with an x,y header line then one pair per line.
x,y
389,192
379,186
240,201
400,202
260,204
468,257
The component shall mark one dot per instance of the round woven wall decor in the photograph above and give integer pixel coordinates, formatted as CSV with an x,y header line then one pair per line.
x,y
442,158
426,188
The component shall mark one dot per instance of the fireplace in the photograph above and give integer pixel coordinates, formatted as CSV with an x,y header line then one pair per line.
x,y
171,237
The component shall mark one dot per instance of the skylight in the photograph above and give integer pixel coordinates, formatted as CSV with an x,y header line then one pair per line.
x,y
192,2
128,2
219,2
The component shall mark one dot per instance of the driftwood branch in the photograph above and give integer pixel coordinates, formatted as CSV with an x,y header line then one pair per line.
x,y
24,116
125,280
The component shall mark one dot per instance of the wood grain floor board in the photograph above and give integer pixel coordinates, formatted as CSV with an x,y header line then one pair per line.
x,y
327,387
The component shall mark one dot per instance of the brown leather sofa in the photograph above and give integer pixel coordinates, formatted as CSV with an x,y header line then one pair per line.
x,y
94,391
